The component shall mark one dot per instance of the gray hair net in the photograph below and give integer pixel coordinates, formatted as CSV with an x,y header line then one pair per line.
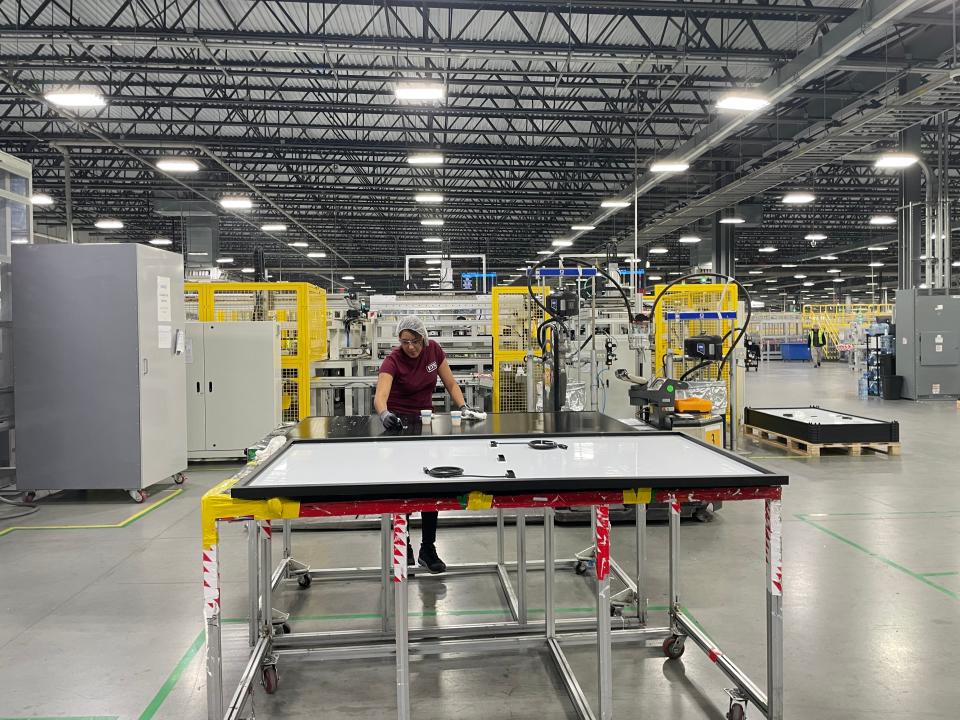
x,y
413,324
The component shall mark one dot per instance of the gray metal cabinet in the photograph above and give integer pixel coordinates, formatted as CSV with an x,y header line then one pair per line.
x,y
928,344
233,386
98,366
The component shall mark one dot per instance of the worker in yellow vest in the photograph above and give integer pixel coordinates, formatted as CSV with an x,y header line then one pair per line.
x,y
816,341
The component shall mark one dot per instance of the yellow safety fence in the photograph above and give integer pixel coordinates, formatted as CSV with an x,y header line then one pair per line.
x,y
836,319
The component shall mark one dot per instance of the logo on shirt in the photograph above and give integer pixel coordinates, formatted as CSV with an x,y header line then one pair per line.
x,y
431,367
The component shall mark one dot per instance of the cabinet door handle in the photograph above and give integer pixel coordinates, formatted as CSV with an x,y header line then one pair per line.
x,y
198,386
210,385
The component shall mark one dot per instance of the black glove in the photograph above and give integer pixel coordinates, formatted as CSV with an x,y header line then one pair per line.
x,y
390,421
466,408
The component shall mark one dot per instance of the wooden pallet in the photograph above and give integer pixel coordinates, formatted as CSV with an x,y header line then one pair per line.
x,y
803,447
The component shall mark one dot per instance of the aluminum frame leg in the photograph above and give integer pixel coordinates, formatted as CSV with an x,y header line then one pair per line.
x,y
399,549
521,566
211,611
499,536
549,570
641,541
385,572
774,543
601,515
674,555
253,580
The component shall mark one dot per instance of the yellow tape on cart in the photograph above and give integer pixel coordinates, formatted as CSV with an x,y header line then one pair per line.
x,y
217,504
639,496
477,500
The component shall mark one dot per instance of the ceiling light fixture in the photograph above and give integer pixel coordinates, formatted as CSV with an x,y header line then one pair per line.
x,y
41,199
734,220
316,255
273,227
659,251
839,279
834,271
799,277
814,236
235,202
654,278
197,253
425,158
742,101
178,165
225,260
768,249
789,265
896,160
428,198
433,261
829,257
247,270
669,166
299,244
883,220
161,241
562,243
614,203
419,90
432,222
347,277
433,239
798,198
877,248
690,239
545,252
108,224
75,97
755,272
583,227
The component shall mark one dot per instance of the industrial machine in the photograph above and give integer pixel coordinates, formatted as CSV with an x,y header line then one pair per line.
x,y
233,386
99,367
928,344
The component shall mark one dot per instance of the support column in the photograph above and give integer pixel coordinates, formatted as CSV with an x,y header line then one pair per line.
x,y
723,247
911,214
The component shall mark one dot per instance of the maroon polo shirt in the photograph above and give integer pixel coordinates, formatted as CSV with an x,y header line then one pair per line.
x,y
414,379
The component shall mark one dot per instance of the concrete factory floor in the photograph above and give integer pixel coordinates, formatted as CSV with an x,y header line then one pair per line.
x,y
106,621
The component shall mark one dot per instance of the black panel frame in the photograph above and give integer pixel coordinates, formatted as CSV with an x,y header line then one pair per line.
x,y
876,431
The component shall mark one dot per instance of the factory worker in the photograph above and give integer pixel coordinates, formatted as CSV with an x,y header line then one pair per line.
x,y
408,377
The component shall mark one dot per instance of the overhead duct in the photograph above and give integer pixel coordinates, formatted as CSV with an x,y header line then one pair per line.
x,y
200,223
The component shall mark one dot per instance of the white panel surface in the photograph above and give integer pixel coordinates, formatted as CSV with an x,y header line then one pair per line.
x,y
402,461
816,416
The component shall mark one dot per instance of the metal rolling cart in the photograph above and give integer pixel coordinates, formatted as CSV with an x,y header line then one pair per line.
x,y
527,478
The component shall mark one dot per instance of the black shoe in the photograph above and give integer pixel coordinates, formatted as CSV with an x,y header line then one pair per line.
x,y
430,560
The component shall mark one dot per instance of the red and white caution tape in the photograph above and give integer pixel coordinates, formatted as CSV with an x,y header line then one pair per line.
x,y
774,528
211,583
399,548
603,541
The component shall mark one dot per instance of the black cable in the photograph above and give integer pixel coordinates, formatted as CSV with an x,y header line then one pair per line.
x,y
695,368
450,471
576,261
746,297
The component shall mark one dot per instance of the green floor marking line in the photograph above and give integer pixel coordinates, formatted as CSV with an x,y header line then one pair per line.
x,y
941,574
174,678
101,526
887,561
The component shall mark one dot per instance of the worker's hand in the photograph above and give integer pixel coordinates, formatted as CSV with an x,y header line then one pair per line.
x,y
390,421
470,414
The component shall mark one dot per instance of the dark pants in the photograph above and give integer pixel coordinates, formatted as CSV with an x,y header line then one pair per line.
x,y
428,528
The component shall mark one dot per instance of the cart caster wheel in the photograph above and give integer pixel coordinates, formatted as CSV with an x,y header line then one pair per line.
x,y
616,611
285,627
580,568
702,515
673,647
138,496
270,679
305,581
29,496
179,478
736,712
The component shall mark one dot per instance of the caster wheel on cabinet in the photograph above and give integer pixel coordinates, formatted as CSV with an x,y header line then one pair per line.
x,y
580,568
180,478
138,496
305,581
29,496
